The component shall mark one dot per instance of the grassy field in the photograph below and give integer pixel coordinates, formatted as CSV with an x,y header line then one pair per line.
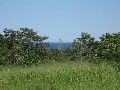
x,y
60,76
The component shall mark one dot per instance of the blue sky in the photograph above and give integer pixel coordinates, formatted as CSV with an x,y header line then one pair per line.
x,y
61,19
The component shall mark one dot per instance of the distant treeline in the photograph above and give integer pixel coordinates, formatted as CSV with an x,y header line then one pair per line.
x,y
26,47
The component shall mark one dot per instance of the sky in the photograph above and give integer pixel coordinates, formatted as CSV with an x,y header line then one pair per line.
x,y
61,19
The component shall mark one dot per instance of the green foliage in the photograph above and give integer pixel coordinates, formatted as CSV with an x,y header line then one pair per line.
x,y
83,46
108,48
23,46
61,76
28,58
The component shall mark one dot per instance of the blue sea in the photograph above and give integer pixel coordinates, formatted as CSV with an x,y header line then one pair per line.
x,y
56,45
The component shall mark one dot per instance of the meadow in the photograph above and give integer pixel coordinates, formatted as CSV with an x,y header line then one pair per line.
x,y
77,75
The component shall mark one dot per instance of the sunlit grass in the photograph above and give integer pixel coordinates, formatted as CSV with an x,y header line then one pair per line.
x,y
60,76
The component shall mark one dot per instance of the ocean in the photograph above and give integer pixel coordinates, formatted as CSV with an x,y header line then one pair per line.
x,y
56,45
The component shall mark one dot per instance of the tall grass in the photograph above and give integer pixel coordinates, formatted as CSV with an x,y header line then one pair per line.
x,y
61,76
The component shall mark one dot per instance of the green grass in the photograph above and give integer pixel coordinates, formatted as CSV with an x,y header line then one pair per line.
x,y
60,76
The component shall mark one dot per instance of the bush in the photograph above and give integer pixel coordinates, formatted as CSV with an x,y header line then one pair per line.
x,y
28,59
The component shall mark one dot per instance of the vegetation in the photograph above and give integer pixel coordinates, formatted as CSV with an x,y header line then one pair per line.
x,y
89,65
61,76
22,47
108,48
25,47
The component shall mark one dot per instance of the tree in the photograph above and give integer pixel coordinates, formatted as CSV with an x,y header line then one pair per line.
x,y
17,44
83,46
110,46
